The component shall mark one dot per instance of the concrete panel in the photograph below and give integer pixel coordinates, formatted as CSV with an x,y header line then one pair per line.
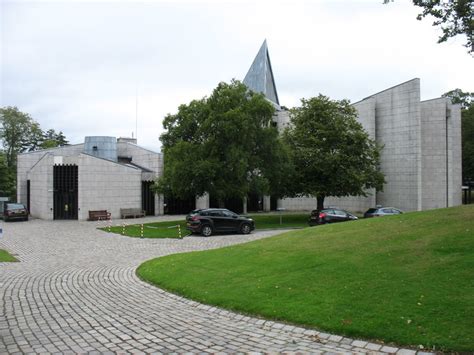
x,y
398,130
105,185
434,153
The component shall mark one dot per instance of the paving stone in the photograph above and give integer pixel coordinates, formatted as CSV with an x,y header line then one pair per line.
x,y
75,290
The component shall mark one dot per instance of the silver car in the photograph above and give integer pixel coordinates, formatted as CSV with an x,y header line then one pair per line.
x,y
381,211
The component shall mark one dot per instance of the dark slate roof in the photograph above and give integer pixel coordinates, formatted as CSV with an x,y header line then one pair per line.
x,y
260,78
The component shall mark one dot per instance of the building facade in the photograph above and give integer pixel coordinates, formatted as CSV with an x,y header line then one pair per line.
x,y
421,161
421,155
102,173
421,140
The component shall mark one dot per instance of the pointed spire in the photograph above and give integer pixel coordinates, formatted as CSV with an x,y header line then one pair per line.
x,y
260,78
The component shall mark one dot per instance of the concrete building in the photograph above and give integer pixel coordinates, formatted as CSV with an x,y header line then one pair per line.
x,y
102,173
421,156
421,161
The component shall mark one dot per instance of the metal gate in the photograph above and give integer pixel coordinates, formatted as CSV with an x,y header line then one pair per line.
x,y
65,185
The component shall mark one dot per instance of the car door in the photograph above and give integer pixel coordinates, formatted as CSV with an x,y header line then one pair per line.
x,y
232,221
218,220
339,216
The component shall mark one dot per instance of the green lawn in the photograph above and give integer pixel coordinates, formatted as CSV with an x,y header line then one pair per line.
x,y
152,230
165,230
405,279
6,257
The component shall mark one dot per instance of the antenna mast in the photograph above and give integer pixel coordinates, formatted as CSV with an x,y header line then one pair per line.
x,y
136,113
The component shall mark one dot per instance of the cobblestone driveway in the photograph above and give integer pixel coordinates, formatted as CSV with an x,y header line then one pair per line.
x,y
75,290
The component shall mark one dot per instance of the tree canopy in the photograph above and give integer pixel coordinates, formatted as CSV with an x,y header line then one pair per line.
x,y
333,155
457,96
467,124
453,17
20,133
224,145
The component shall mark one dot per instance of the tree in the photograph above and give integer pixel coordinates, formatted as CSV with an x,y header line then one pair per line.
x,y
332,153
457,96
51,139
467,126
18,133
7,182
223,145
453,17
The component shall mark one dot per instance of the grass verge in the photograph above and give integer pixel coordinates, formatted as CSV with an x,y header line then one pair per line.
x,y
404,279
6,257
168,229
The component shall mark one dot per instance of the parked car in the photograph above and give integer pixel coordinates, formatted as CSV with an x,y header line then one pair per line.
x,y
330,215
381,211
15,211
214,220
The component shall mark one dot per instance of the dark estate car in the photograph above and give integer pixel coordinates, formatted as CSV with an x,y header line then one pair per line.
x,y
381,211
14,211
330,215
213,220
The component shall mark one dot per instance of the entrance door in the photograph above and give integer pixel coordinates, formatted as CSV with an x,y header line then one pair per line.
x,y
65,185
148,198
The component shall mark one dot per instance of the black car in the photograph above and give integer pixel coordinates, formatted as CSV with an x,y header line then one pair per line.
x,y
213,220
381,211
330,215
14,211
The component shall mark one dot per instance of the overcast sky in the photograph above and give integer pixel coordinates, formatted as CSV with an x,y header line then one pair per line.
x,y
79,67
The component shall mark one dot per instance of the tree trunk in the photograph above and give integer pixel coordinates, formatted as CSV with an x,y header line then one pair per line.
x,y
320,199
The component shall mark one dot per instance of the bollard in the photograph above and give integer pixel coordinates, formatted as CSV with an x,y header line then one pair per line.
x,y
109,225
123,228
141,231
179,232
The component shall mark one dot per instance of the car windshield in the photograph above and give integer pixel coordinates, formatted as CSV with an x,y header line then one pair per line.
x,y
14,206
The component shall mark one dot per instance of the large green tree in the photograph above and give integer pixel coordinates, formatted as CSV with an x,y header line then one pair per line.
x,y
457,96
224,145
467,124
18,133
7,182
52,139
333,155
454,17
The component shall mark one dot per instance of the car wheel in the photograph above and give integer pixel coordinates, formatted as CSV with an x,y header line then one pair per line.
x,y
245,228
206,230
26,218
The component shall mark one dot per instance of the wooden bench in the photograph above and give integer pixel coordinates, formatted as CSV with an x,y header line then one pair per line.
x,y
132,212
98,215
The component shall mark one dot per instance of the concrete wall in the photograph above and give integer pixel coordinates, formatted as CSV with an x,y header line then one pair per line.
x,y
141,156
441,153
41,188
398,129
454,155
434,153
105,185
421,156
102,184
26,161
